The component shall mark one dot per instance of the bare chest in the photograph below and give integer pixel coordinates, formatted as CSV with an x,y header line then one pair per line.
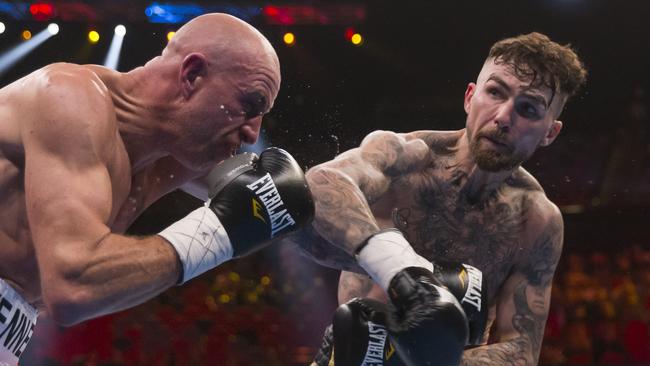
x,y
441,226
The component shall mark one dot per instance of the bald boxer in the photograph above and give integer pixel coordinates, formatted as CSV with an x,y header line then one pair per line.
x,y
386,209
84,150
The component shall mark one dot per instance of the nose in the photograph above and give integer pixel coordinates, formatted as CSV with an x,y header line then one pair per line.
x,y
250,130
503,118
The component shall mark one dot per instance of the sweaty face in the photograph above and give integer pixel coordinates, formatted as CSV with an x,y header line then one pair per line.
x,y
507,118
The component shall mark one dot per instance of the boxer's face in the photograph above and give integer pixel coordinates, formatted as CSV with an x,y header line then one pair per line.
x,y
226,112
507,119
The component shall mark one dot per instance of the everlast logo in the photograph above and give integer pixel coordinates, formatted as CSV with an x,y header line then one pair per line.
x,y
473,294
15,328
376,341
267,192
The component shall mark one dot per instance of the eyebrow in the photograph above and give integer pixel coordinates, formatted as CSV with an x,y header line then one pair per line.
x,y
536,96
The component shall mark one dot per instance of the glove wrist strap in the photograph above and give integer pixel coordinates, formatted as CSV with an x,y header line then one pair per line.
x,y
200,241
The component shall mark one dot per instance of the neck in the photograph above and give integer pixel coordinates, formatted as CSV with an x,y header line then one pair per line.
x,y
142,117
475,183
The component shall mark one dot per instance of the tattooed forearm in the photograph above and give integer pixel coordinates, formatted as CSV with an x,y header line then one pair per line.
x,y
315,247
343,216
353,285
529,324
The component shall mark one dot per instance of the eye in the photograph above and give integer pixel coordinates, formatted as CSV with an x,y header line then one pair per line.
x,y
254,105
495,92
527,110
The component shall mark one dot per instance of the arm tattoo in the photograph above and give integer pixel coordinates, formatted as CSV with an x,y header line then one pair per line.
x,y
343,216
530,298
345,188
353,285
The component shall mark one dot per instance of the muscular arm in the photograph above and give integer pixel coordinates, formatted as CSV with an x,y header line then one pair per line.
x,y
345,187
85,270
523,304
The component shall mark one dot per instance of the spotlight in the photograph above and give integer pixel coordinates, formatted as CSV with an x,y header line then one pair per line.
x,y
26,34
2,27
120,30
93,36
53,28
170,35
289,39
356,39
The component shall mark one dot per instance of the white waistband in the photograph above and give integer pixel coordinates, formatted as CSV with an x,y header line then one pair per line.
x,y
17,321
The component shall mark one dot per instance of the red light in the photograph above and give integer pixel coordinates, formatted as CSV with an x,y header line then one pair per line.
x,y
349,32
42,11
271,11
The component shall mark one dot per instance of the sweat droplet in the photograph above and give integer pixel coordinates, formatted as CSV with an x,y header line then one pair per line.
x,y
171,176
222,106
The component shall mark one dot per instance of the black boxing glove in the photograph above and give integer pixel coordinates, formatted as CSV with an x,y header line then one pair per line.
x,y
428,325
358,336
467,284
252,200
360,322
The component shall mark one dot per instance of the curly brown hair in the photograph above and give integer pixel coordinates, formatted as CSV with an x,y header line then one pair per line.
x,y
535,57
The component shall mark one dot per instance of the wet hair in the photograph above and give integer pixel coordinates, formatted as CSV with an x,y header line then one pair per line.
x,y
536,58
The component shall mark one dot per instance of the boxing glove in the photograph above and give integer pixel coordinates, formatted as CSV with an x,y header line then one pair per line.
x,y
359,325
252,200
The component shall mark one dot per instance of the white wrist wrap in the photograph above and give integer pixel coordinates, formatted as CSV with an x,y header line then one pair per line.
x,y
387,253
200,240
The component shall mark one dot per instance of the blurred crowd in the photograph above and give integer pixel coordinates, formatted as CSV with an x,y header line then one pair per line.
x,y
271,311
600,309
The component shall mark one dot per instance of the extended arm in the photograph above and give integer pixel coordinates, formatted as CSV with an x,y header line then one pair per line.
x,y
524,304
85,270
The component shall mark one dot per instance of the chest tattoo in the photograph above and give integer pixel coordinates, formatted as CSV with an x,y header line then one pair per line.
x,y
441,225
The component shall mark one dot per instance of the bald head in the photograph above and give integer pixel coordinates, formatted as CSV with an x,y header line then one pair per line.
x,y
225,40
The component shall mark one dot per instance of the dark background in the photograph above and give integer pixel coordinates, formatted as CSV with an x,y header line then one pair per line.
x,y
409,74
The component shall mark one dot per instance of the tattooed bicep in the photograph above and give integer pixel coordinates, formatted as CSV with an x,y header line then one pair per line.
x,y
545,253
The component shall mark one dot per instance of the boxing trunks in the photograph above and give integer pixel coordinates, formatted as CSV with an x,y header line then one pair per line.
x,y
17,321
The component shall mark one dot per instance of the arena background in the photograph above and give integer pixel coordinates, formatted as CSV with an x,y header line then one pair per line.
x,y
409,73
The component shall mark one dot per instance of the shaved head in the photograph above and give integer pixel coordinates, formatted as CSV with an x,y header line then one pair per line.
x,y
225,40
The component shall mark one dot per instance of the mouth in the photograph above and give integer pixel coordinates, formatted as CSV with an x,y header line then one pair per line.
x,y
496,142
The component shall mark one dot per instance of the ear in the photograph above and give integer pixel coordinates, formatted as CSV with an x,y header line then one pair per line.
x,y
552,133
469,93
193,69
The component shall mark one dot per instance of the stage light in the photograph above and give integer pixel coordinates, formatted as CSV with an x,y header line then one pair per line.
x,y
289,39
53,28
356,39
120,30
113,55
93,36
41,11
2,27
17,53
170,35
349,32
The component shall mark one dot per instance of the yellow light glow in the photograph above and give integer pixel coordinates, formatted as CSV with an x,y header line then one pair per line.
x,y
356,39
170,35
93,36
289,38
26,35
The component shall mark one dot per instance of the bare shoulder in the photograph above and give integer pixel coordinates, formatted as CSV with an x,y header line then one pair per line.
x,y
394,153
440,142
69,107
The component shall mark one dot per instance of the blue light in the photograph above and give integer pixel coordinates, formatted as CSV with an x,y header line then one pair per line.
x,y
173,13
17,10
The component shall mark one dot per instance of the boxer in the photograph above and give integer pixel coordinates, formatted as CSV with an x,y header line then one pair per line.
x,y
400,201
84,150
